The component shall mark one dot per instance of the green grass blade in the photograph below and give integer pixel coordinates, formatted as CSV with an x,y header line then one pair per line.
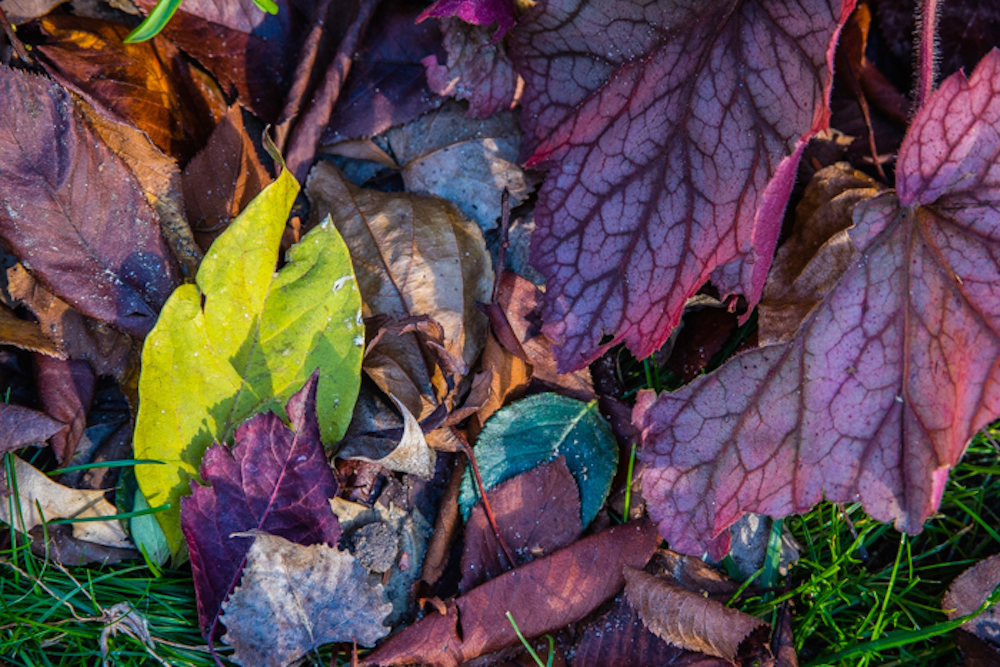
x,y
155,22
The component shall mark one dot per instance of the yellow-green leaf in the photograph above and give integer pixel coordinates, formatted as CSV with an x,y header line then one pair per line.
x,y
243,340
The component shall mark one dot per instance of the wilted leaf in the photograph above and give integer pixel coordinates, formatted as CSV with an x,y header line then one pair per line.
x,y
476,12
22,11
685,618
249,51
466,161
242,341
25,335
66,391
21,426
149,85
275,479
672,132
222,179
39,499
537,512
968,592
294,598
544,595
477,69
73,212
414,256
56,542
539,429
888,377
410,454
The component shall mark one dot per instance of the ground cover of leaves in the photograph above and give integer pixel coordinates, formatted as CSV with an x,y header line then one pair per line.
x,y
574,332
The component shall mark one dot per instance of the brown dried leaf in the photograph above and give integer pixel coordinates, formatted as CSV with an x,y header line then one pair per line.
x,y
294,598
969,590
814,258
508,380
546,594
222,179
686,619
22,11
409,455
25,335
537,512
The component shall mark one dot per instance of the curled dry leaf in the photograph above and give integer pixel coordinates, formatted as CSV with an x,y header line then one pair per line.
x,y
25,335
73,212
39,499
685,618
294,598
968,592
545,594
410,455
413,255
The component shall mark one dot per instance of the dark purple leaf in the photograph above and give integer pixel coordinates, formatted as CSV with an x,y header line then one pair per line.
x,y
672,135
66,389
276,480
73,212
889,376
476,12
22,426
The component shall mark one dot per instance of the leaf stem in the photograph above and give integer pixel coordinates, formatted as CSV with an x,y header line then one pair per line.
x,y
482,492
926,52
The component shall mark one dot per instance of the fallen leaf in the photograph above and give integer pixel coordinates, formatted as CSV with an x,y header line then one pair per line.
x,y
73,212
538,512
39,499
414,256
477,69
56,543
877,395
685,618
22,11
222,179
66,392
466,161
149,84
386,85
294,598
243,340
275,479
545,595
476,12
20,427
509,377
25,335
672,134
410,455
968,592
539,429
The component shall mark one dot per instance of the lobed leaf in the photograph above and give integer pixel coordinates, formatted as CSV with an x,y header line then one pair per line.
x,y
242,340
878,393
671,132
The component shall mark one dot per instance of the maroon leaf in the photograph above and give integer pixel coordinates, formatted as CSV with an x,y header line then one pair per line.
x,y
274,480
672,135
544,595
877,395
476,12
66,389
73,212
22,426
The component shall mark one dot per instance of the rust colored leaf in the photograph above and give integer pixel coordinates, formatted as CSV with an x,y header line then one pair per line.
x,y
73,213
25,335
508,380
66,390
685,618
537,512
877,395
671,132
969,590
21,426
222,179
148,85
545,595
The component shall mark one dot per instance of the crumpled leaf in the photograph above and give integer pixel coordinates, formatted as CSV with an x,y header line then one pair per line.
x,y
20,426
294,598
969,590
544,595
476,12
149,84
685,618
40,499
73,213
414,256
275,479
477,69
410,455
25,335
241,341
877,395
468,162
672,133
250,52
222,179
541,428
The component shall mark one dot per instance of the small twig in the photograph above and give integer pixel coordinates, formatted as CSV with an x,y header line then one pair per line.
x,y
504,241
926,53
482,492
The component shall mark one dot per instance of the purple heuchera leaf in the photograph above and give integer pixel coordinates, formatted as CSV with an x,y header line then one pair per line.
x,y
672,132
276,480
887,379
476,12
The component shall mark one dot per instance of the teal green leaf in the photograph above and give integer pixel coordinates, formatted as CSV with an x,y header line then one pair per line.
x,y
537,430
242,341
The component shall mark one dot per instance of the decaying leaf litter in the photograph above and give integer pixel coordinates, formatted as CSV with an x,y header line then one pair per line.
x,y
287,292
